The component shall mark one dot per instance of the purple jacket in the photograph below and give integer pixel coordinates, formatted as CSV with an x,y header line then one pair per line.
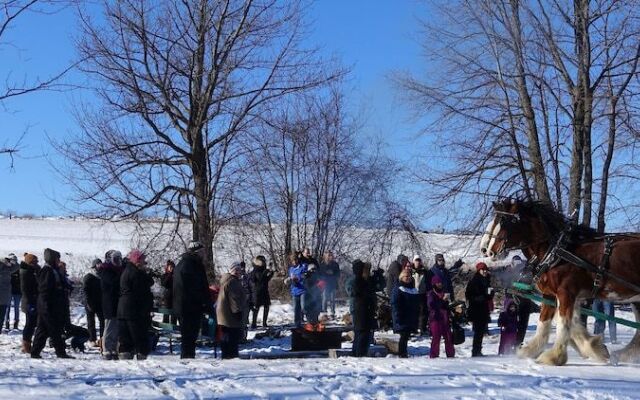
x,y
508,322
438,308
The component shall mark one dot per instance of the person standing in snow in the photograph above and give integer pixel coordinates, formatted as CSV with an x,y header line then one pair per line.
x,y
229,312
109,273
248,288
134,307
190,296
7,268
330,274
312,297
439,323
364,308
419,277
508,323
297,272
405,300
166,281
480,297
93,302
29,269
51,307
16,294
259,278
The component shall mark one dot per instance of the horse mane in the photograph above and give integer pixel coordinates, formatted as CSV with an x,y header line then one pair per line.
x,y
558,222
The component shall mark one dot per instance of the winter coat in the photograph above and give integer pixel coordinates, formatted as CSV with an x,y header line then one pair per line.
x,y
508,322
15,283
393,272
29,286
364,305
438,307
136,299
190,286
445,277
231,302
330,274
92,292
478,297
297,274
404,308
248,289
259,278
110,286
166,281
6,270
52,297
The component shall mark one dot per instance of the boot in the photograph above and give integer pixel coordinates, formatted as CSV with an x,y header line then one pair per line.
x,y
65,355
141,356
15,324
26,347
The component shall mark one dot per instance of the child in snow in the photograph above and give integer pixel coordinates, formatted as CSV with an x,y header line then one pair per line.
x,y
508,323
439,324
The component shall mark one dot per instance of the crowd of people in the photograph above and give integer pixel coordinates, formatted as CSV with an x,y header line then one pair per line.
x,y
117,293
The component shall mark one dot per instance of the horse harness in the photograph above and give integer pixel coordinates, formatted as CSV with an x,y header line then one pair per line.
x,y
558,252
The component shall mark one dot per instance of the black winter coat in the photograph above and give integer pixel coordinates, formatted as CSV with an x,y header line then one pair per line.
x,y
166,281
15,283
190,286
136,299
52,297
478,297
110,285
259,278
331,275
404,308
364,305
28,286
92,292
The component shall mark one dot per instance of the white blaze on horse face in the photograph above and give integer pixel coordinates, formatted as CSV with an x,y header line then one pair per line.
x,y
486,237
492,242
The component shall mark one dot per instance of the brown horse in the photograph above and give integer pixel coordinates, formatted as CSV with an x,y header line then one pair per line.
x,y
537,229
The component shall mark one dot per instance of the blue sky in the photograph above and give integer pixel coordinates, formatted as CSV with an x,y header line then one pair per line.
x,y
374,37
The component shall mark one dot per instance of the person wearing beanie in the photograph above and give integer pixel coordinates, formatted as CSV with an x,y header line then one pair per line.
x,y
93,302
51,308
7,269
479,295
508,323
439,323
109,272
134,308
364,308
405,300
190,296
441,271
29,269
229,312
259,278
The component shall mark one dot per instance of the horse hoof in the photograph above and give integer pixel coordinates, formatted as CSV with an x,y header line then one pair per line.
x,y
527,352
552,357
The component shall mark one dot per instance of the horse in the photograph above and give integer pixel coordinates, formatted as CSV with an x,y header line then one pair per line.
x,y
571,263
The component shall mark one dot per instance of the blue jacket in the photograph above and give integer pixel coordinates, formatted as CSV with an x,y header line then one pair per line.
x,y
296,274
404,308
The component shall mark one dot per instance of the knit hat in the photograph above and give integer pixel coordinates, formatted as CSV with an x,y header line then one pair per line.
x,y
439,256
137,257
417,257
435,280
194,245
12,257
481,266
30,258
95,263
51,256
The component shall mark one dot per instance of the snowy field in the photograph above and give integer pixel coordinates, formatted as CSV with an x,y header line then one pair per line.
x,y
165,376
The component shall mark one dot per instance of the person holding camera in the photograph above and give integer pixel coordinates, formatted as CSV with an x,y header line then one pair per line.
x,y
479,294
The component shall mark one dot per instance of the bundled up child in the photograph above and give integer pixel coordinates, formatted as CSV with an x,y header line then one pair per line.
x,y
439,324
508,323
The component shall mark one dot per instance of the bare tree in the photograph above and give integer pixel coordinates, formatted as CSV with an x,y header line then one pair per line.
x,y
11,11
179,83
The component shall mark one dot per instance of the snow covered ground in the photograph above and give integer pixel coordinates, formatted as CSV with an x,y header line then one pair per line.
x,y
165,376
